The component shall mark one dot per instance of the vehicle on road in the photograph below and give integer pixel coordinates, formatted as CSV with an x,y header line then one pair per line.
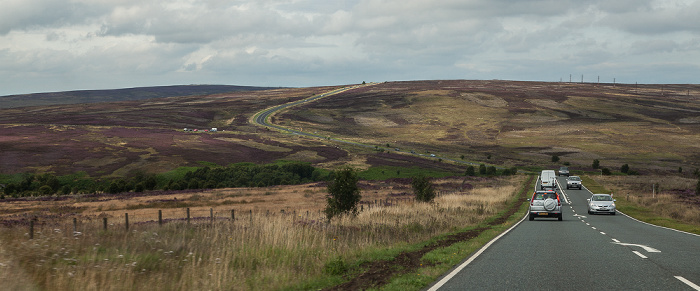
x,y
573,182
548,179
601,203
564,171
545,204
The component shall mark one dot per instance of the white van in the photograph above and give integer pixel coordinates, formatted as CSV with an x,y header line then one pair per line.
x,y
548,179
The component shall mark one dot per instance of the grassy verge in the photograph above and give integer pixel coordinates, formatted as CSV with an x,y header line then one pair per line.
x,y
438,262
661,210
256,251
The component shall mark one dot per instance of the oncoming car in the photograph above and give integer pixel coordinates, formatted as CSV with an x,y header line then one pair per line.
x,y
573,182
545,204
601,203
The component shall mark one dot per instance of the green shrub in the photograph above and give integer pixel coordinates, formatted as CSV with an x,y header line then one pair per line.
x,y
423,188
343,193
471,171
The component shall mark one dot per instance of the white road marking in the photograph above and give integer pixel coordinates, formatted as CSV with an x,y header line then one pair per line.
x,y
472,258
593,227
637,220
616,240
602,233
646,248
687,282
640,254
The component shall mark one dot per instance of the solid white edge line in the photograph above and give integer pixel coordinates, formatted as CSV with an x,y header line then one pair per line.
x,y
473,257
637,220
687,282
640,254
615,240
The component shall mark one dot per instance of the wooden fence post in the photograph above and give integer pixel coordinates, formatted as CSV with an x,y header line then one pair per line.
x,y
211,215
126,219
251,217
31,229
104,223
233,215
188,215
75,225
160,217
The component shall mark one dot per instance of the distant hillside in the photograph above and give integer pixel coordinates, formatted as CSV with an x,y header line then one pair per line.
x,y
95,96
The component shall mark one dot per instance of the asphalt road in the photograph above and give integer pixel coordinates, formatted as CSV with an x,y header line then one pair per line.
x,y
582,252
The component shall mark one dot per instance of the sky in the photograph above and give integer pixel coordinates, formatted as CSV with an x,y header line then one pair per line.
x,y
63,45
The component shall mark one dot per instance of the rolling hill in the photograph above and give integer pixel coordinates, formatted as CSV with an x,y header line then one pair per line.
x,y
653,128
128,94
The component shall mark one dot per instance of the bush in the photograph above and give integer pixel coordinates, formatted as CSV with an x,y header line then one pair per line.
x,y
45,190
625,168
471,171
606,172
596,164
423,188
555,158
491,170
482,169
343,193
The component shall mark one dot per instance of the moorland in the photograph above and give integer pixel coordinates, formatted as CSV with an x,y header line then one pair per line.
x,y
654,129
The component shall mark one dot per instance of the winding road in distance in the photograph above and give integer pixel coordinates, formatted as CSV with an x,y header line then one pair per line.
x,y
582,252
262,119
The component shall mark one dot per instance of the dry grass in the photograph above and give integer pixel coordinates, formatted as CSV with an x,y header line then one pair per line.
x,y
252,253
668,200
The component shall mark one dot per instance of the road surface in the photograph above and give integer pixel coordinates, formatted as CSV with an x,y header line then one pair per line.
x,y
582,252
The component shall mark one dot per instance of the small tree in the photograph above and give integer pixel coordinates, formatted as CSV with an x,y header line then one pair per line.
x,y
471,171
343,193
423,188
596,164
482,169
555,158
625,168
491,171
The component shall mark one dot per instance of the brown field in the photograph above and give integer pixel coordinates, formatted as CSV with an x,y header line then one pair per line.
x,y
266,251
520,123
653,128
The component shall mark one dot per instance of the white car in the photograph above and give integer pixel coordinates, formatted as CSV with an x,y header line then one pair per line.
x,y
573,182
601,203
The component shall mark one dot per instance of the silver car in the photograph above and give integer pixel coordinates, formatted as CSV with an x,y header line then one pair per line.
x,y
545,204
601,203
573,182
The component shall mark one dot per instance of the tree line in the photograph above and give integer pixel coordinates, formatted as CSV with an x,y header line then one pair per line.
x,y
235,175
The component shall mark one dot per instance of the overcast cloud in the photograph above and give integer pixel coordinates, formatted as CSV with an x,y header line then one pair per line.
x,y
50,45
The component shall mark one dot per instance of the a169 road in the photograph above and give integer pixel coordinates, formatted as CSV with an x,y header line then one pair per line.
x,y
582,252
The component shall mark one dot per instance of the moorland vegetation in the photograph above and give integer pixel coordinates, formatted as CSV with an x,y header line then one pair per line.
x,y
475,139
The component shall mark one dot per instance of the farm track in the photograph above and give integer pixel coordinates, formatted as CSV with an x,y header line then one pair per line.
x,y
379,273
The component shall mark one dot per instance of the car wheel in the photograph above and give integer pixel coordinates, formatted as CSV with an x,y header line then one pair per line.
x,y
560,217
590,212
531,218
614,212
